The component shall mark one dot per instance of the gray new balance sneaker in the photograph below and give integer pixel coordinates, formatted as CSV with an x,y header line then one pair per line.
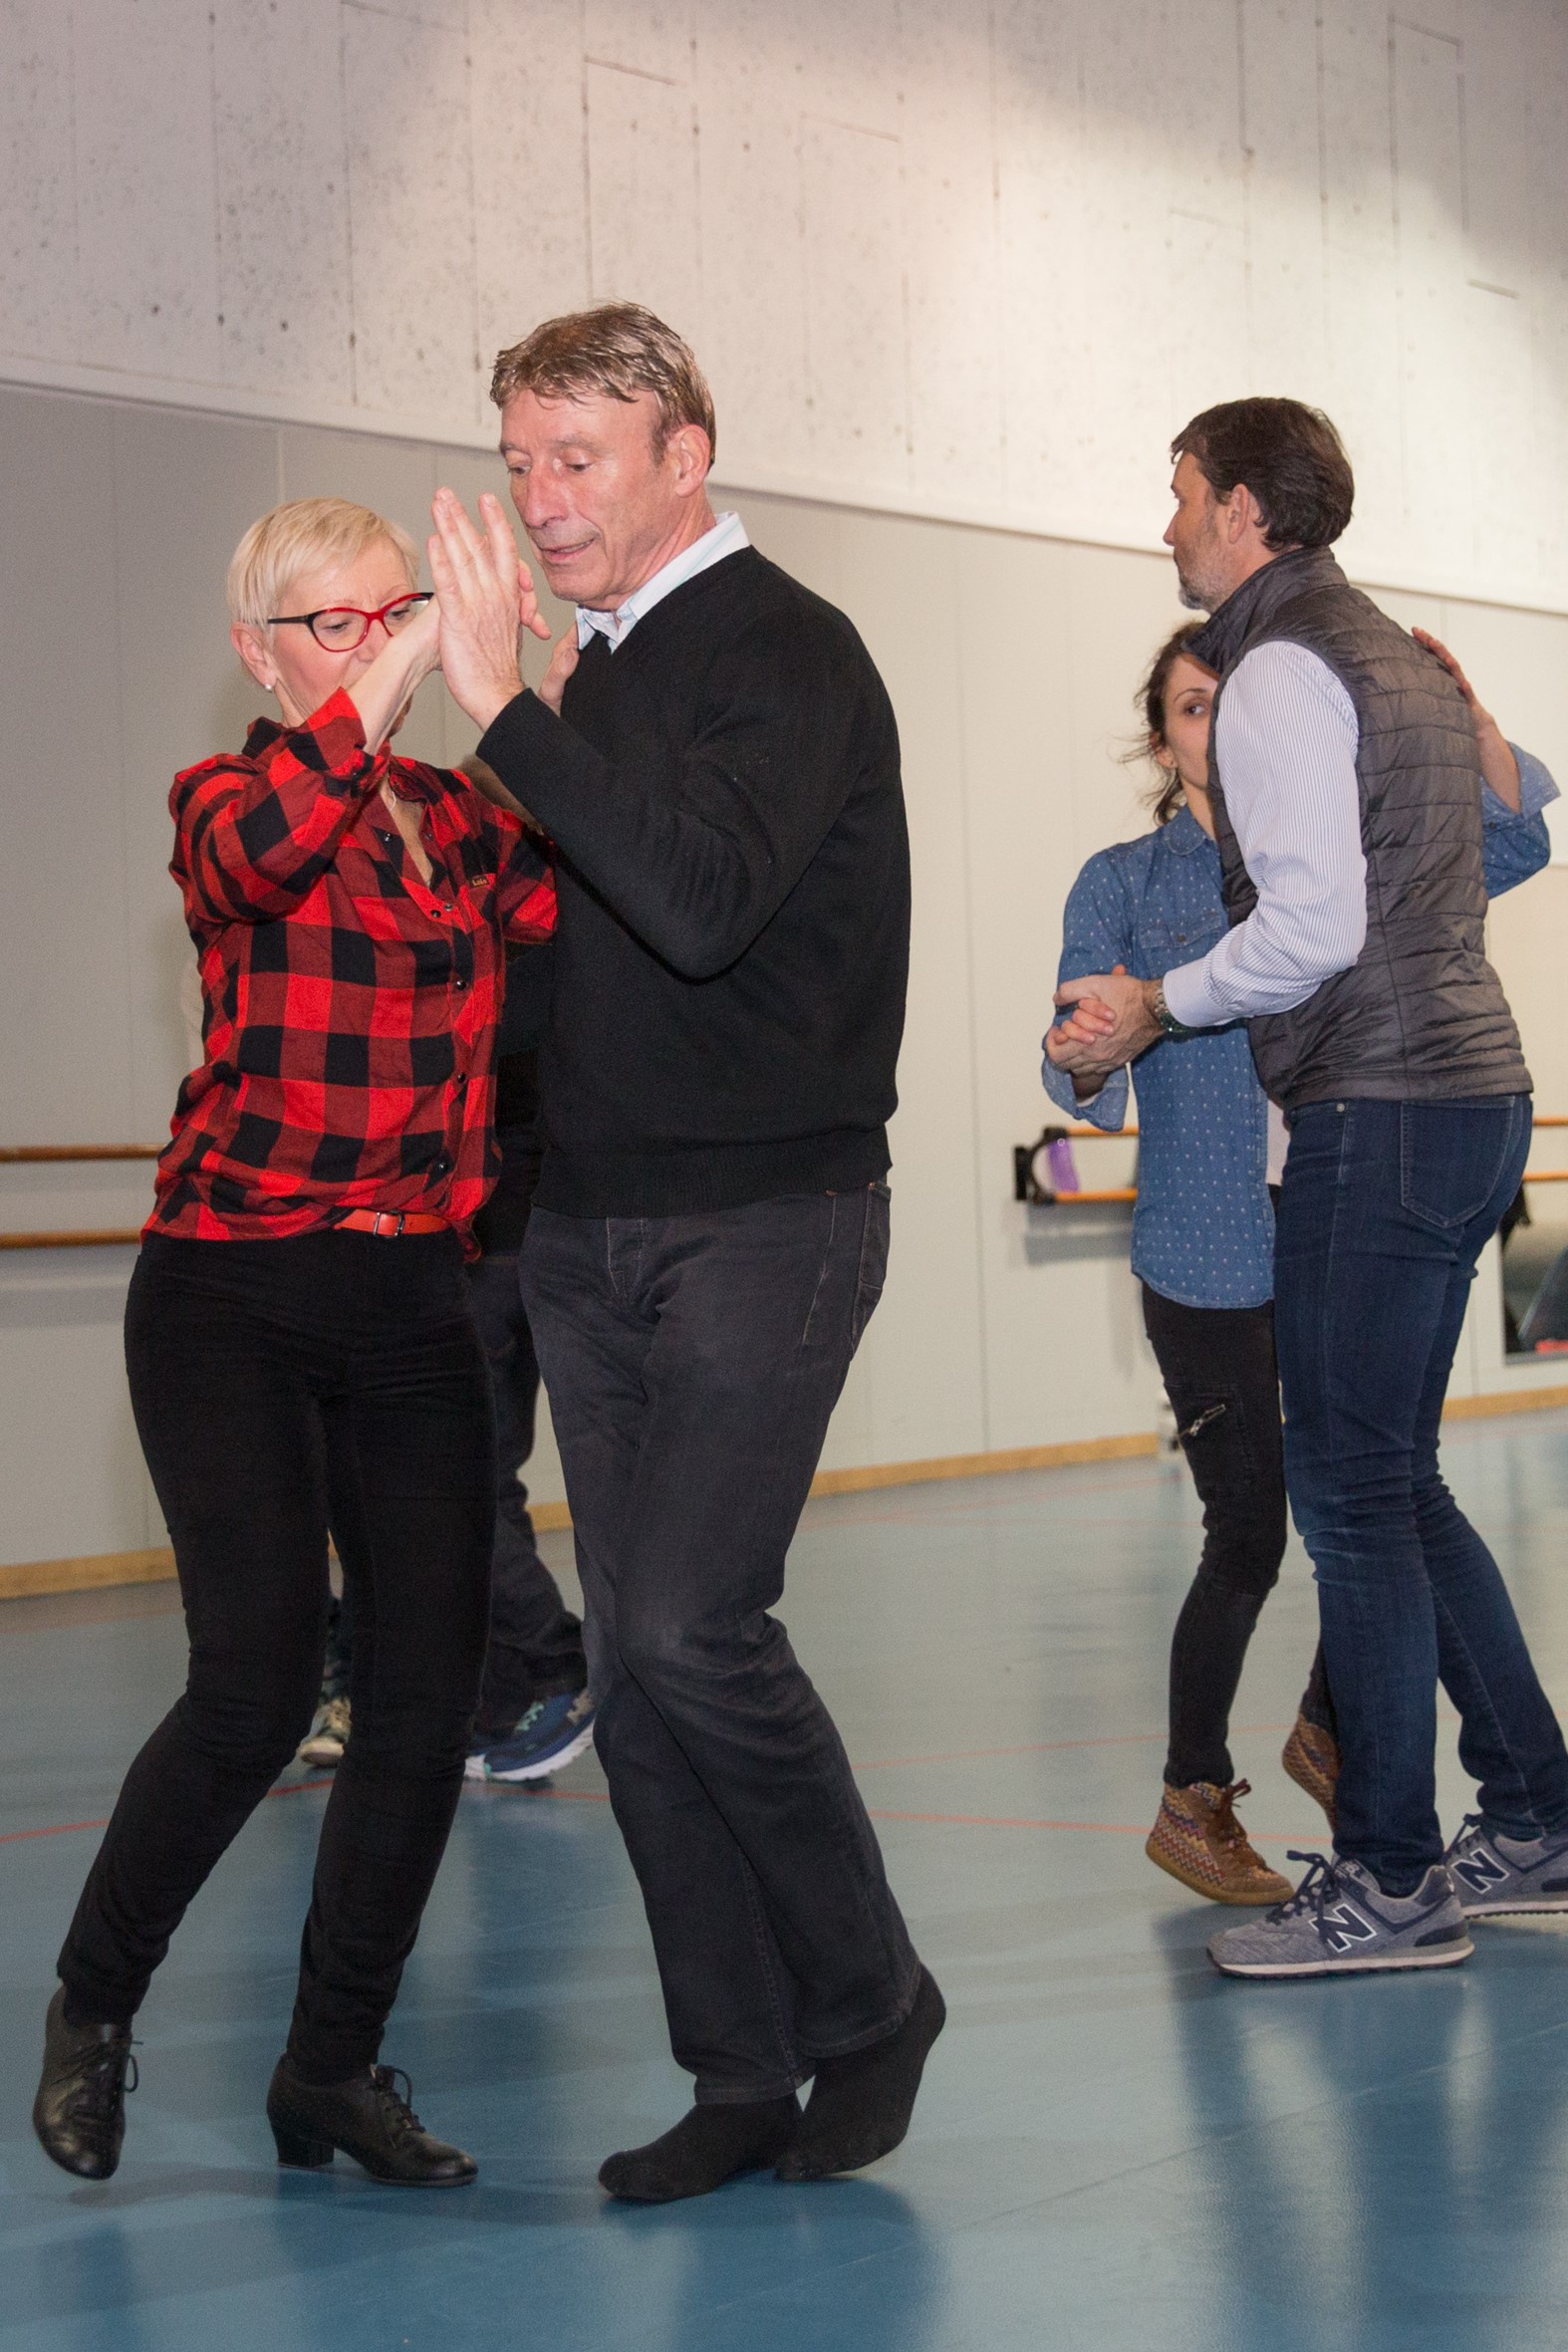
x,y
1339,1922
1498,1876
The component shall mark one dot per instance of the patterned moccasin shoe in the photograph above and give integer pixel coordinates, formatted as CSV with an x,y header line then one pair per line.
x,y
1198,1840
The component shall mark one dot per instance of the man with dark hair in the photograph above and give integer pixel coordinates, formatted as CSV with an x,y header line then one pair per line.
x,y
711,1228
1344,780
1291,459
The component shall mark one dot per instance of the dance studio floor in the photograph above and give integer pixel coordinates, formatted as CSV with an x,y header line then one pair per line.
x,y
1114,2149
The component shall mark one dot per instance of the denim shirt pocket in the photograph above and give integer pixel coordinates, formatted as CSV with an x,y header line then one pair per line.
x,y
1163,943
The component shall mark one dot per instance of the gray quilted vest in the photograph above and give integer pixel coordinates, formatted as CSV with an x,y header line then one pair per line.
x,y
1420,1015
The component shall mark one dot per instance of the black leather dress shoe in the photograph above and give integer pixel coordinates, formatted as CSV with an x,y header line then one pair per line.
x,y
367,2118
80,2112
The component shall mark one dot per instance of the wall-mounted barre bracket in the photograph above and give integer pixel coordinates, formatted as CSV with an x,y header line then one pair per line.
x,y
1040,1170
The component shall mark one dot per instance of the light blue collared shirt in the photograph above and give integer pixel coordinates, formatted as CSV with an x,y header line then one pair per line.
x,y
727,537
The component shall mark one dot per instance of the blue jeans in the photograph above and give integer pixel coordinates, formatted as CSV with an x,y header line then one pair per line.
x,y
692,1364
1384,1210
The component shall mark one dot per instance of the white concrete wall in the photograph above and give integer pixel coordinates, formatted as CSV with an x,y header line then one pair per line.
x,y
968,262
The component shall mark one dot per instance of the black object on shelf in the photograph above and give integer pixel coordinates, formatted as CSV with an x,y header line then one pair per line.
x,y
1043,1170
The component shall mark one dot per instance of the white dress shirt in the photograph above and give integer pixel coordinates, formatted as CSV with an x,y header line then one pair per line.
x,y
1288,739
727,536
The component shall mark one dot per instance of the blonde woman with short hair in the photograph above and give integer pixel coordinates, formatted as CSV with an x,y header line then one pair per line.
x,y
298,1335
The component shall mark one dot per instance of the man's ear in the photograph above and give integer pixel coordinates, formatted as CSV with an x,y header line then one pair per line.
x,y
690,452
1243,512
254,651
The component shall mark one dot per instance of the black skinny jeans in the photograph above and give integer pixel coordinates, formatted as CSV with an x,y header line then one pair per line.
x,y
277,1385
1219,1367
535,1648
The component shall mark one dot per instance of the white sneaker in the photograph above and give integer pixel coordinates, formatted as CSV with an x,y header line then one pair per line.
x,y
328,1736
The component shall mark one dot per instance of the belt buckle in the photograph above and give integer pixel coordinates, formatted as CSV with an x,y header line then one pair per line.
x,y
385,1216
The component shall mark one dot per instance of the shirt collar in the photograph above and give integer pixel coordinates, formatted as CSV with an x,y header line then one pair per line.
x,y
727,537
1186,835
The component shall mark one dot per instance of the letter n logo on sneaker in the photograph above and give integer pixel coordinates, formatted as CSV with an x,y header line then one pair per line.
x,y
1480,1871
1343,1928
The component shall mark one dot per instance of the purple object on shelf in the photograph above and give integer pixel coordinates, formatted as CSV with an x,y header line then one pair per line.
x,y
1059,1159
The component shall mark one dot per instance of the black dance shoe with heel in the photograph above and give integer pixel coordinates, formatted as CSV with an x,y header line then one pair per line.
x,y
80,2112
367,2118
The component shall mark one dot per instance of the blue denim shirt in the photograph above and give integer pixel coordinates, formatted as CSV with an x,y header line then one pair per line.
x,y
1203,1225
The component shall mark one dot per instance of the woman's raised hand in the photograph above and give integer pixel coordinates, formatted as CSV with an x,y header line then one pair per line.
x,y
383,692
479,586
1498,765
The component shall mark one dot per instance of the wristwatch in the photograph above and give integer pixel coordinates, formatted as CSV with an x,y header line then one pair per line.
x,y
1166,1018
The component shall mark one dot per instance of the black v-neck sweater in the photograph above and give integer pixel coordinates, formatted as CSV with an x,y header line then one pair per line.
x,y
732,863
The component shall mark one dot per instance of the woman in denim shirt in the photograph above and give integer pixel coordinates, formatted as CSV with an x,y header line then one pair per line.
x,y
1210,1146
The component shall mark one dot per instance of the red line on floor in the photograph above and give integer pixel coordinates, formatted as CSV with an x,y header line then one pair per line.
x,y
597,1796
1040,1748
66,1829
1120,1829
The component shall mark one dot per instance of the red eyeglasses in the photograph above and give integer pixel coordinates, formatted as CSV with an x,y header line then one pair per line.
x,y
341,629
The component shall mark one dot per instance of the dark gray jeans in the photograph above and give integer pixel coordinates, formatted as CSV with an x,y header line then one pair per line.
x,y
692,1363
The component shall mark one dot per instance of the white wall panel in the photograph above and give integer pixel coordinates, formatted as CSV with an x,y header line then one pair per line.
x,y
1502,451
923,1375
1046,315
410,177
148,228
282,154
753,246
37,180
856,303
954,282
1428,160
530,172
1361,263
645,244
75,1480
658,40
65,1059
846,63
1281,65
184,491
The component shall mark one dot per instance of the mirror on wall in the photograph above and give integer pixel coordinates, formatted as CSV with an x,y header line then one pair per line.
x,y
1534,1238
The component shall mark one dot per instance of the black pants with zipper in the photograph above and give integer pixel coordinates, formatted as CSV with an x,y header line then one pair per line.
x,y
1219,1367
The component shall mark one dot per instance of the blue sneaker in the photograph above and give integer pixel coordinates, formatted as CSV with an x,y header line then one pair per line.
x,y
1339,1922
551,1733
1498,1876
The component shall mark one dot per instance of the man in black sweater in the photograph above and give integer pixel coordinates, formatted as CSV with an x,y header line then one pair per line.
x,y
711,1228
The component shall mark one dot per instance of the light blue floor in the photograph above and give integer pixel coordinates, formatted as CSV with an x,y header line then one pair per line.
x,y
1114,2149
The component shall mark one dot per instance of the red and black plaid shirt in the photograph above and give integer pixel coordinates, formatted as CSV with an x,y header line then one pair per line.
x,y
349,1010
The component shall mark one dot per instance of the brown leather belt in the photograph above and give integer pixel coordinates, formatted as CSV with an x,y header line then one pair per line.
x,y
389,1222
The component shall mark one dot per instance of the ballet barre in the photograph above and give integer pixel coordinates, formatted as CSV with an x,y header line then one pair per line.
x,y
40,1155
1094,1197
